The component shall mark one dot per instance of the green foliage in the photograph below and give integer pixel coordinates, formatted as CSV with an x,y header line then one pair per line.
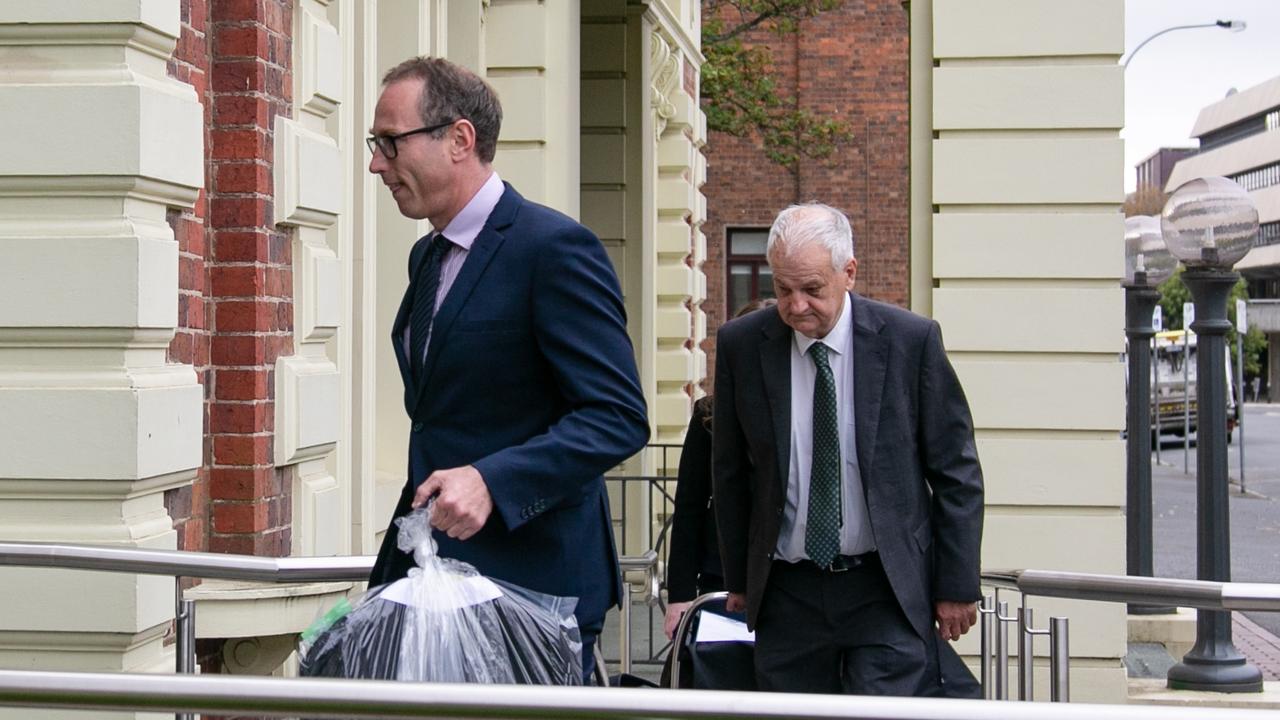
x,y
739,95
1173,293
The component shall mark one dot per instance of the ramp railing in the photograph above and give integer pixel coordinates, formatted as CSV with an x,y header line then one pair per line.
x,y
639,571
380,699
995,619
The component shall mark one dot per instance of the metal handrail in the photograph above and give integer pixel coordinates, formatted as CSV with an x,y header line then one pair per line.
x,y
181,563
1131,590
371,699
1082,586
1203,594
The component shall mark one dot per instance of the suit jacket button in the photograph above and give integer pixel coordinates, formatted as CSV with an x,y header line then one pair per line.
x,y
417,427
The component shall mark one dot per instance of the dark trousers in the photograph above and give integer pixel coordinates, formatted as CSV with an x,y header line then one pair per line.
x,y
839,632
589,633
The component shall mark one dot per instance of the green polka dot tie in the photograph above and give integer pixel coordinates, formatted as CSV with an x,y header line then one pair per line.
x,y
822,536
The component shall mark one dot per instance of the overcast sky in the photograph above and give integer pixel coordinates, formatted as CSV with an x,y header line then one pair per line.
x,y
1180,72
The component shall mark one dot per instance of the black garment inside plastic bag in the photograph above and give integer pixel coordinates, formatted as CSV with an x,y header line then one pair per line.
x,y
447,623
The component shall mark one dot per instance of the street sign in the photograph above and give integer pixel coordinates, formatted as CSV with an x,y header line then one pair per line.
x,y
1157,319
1188,315
1242,326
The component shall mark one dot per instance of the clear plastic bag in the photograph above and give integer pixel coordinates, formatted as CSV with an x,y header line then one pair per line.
x,y
447,623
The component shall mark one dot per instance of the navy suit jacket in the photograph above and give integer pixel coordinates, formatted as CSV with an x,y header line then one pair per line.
x,y
915,448
531,378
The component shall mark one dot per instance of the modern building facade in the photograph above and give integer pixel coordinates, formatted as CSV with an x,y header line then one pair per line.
x,y
199,275
1239,140
1154,170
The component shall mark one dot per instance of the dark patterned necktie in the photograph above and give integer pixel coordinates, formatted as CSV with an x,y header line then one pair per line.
x,y
424,301
822,535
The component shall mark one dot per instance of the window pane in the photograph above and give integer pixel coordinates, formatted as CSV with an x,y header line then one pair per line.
x,y
766,282
747,242
739,286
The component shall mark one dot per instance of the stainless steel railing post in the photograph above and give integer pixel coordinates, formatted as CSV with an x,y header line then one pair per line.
x,y
985,612
1002,651
184,630
624,661
1059,661
1026,654
646,564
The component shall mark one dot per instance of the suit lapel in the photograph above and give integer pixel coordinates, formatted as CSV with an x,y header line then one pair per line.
x,y
397,334
775,363
869,357
402,320
482,251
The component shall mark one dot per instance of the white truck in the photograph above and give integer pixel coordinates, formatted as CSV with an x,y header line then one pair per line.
x,y
1167,390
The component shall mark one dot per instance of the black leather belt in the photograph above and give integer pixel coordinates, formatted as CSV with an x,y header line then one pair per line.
x,y
842,563
849,562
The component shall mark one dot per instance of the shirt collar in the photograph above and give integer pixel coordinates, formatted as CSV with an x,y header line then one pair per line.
x,y
838,339
467,224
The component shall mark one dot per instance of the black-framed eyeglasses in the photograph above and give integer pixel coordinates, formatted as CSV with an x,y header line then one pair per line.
x,y
387,143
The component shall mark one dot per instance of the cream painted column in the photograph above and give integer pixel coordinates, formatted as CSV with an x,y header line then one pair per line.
x,y
616,191
1020,261
679,128
532,61
95,425
310,192
613,161
391,31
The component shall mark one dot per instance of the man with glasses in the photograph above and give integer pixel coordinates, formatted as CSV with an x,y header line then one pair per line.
x,y
520,379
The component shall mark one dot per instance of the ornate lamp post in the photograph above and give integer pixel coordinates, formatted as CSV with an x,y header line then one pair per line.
x,y
1209,224
1147,264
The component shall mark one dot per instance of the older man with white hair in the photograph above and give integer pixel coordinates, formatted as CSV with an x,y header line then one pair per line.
x,y
848,491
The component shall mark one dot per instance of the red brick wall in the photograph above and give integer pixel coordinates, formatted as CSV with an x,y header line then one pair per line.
x,y
189,506
236,274
851,63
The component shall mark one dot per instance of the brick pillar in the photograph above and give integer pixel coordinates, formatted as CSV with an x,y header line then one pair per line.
x,y
250,285
189,505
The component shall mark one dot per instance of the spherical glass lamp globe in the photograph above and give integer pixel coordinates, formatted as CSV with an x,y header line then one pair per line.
x,y
1144,251
1209,223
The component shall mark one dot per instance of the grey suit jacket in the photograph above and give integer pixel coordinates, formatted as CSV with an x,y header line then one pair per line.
x,y
915,448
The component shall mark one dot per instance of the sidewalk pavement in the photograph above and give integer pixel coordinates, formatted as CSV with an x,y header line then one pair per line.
x,y
1259,646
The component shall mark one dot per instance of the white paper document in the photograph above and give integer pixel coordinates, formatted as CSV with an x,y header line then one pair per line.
x,y
450,592
718,628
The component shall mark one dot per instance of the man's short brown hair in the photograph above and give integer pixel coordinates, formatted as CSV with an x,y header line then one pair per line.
x,y
452,92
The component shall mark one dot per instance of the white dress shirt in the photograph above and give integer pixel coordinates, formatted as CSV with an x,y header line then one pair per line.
x,y
856,536
461,232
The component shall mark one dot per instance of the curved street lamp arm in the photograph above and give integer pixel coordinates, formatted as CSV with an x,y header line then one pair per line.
x,y
1224,24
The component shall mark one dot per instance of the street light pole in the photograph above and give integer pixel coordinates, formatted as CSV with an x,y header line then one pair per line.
x,y
1234,26
1209,224
1147,264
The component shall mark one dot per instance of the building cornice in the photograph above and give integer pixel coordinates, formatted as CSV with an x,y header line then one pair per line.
x,y
678,34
